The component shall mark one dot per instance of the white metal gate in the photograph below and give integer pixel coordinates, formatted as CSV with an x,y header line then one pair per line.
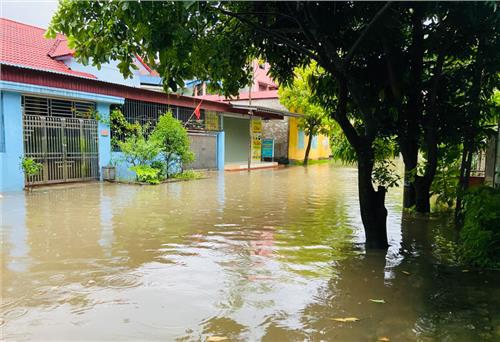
x,y
66,147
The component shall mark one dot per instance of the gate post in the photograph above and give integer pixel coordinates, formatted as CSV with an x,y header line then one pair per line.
x,y
11,174
104,133
220,150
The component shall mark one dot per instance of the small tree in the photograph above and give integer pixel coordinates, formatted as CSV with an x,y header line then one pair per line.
x,y
298,96
138,150
172,139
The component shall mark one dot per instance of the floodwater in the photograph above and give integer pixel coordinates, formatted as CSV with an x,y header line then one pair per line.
x,y
271,255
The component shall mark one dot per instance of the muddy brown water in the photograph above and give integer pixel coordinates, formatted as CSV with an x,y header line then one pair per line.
x,y
271,255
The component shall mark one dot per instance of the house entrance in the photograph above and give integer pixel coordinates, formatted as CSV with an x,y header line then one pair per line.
x,y
61,136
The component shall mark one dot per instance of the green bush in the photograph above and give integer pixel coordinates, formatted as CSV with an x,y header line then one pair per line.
x,y
173,140
30,166
138,150
480,235
146,174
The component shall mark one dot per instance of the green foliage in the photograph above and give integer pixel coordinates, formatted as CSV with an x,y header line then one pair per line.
x,y
30,167
121,128
172,139
146,174
138,150
298,97
444,186
188,174
480,235
385,174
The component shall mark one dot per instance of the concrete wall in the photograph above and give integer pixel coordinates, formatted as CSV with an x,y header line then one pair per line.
x,y
237,139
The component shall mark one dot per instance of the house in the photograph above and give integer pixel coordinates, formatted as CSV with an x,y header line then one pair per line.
x,y
46,101
492,160
290,142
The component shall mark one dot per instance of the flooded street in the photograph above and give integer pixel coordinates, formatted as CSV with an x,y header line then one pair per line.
x,y
271,255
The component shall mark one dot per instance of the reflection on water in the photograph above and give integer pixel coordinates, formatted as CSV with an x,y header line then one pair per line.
x,y
267,255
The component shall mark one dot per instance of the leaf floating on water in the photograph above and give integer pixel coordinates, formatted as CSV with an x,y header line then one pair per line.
x,y
465,271
346,319
406,272
379,301
383,339
217,338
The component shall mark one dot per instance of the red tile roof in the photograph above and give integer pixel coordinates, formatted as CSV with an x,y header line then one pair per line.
x,y
26,46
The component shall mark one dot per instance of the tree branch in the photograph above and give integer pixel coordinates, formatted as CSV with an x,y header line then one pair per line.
x,y
270,33
363,34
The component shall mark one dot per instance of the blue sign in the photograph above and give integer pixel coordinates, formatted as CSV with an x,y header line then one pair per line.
x,y
267,148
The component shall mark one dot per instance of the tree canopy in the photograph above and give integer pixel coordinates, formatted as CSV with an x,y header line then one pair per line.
x,y
386,65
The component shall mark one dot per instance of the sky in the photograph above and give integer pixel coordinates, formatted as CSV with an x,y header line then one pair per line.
x,y
33,12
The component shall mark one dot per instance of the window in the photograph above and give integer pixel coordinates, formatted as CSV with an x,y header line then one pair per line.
x,y
314,142
56,107
300,139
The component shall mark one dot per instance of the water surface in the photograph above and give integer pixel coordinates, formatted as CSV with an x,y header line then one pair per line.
x,y
271,255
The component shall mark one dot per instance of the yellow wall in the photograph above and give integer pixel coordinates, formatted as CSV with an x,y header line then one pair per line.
x,y
321,151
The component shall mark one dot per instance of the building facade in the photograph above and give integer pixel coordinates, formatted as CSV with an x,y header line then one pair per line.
x,y
48,103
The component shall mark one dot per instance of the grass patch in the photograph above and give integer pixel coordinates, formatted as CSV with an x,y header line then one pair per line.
x,y
188,174
312,162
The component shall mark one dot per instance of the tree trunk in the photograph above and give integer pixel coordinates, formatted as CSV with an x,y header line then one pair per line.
x,y
422,195
308,148
409,129
410,156
373,211
463,182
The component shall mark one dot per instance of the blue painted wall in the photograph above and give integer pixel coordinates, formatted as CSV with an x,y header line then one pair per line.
x,y
12,177
220,151
104,136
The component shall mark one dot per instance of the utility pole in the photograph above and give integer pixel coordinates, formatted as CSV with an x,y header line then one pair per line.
x,y
250,126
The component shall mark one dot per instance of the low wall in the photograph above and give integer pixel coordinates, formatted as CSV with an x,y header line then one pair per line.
x,y
124,173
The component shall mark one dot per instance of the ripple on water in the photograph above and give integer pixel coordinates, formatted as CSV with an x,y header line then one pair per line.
x,y
12,314
122,281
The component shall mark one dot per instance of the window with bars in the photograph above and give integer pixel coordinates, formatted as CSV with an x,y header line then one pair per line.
x,y
147,113
33,105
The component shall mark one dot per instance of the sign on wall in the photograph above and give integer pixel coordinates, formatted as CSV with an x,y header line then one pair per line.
x,y
268,148
211,121
256,140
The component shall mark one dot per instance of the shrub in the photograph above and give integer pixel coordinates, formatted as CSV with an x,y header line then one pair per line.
x,y
173,140
138,150
480,235
31,168
121,128
146,174
188,174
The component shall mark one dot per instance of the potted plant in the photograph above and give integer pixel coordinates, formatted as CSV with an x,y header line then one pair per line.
x,y
31,168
